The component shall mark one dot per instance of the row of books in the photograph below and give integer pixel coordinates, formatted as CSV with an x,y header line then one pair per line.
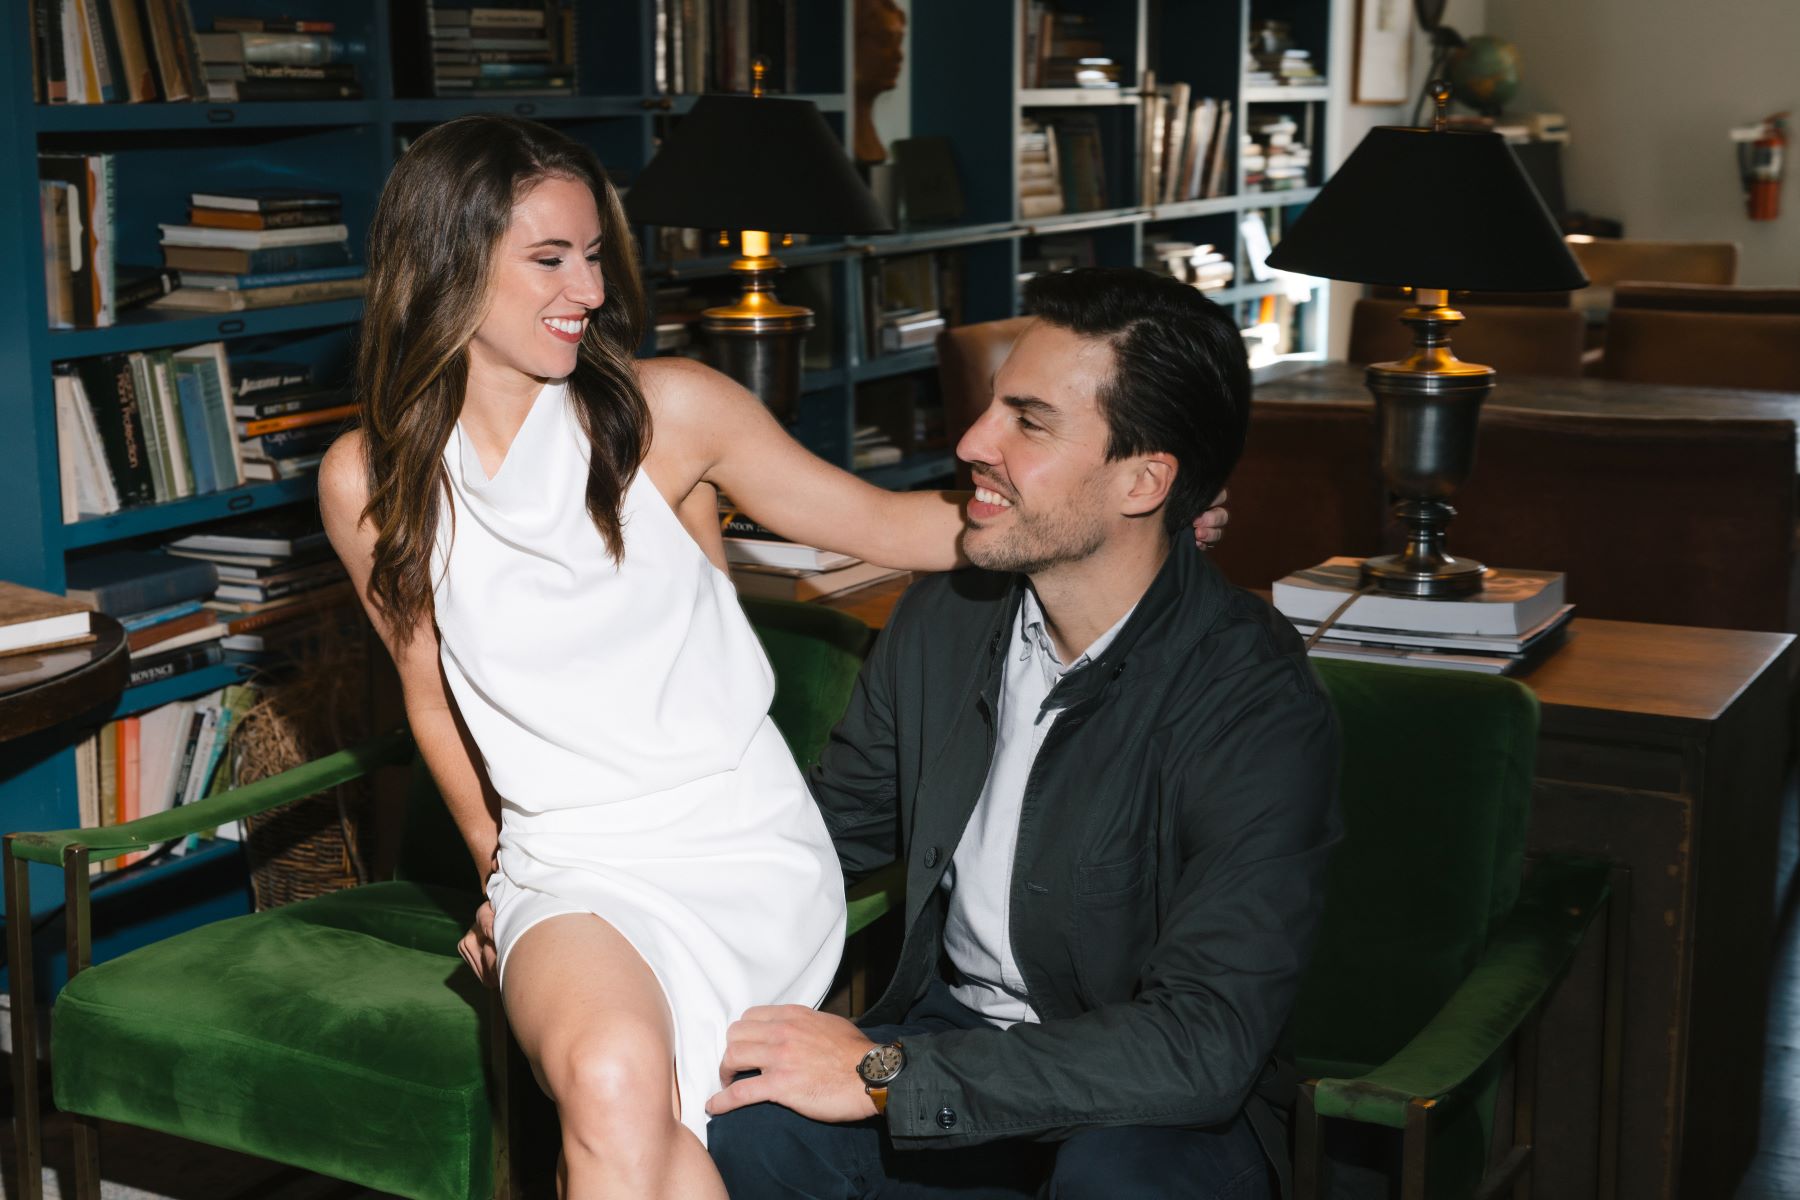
x,y
131,51
1063,49
909,299
1272,155
277,64
766,565
710,45
142,765
523,49
157,425
1061,166
259,247
1508,626
1187,144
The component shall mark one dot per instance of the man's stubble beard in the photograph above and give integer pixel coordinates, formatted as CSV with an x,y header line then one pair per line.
x,y
1039,541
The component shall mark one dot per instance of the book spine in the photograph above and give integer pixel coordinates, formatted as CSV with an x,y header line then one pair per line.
x,y
175,662
142,385
193,423
214,375
139,80
291,49
321,416
113,402
129,771
288,443
181,582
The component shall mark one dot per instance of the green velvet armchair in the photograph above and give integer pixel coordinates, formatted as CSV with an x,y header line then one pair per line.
x,y
1436,951
340,1034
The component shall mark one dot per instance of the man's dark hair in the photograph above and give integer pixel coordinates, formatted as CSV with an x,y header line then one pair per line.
x,y
1181,381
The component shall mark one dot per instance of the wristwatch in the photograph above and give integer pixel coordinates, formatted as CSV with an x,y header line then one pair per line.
x,y
880,1067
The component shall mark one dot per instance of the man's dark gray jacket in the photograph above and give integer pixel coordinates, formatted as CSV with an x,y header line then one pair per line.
x,y
1170,859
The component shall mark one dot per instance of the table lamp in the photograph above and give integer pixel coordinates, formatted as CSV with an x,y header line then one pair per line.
x,y
1429,210
764,166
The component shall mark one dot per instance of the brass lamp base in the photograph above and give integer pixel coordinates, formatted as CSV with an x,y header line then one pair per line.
x,y
1427,408
757,339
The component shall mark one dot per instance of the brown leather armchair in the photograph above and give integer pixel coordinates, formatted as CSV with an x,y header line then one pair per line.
x,y
1670,520
1307,487
968,356
1755,349
1706,297
1514,339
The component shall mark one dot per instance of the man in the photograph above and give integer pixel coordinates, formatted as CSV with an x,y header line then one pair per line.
x,y
1111,777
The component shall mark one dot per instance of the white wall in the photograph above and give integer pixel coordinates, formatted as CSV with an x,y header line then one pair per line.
x,y
1351,121
1650,88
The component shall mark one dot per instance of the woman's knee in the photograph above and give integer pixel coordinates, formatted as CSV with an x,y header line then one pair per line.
x,y
616,1080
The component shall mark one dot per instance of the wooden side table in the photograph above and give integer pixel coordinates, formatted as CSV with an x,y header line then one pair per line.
x,y
38,690
1662,749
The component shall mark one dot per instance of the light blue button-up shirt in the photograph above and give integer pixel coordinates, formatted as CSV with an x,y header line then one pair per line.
x,y
977,929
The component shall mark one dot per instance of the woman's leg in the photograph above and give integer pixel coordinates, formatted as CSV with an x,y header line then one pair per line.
x,y
591,1019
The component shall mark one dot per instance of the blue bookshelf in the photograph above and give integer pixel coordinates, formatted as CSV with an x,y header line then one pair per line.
x,y
964,65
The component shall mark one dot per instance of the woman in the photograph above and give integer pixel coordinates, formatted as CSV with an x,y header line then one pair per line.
x,y
529,515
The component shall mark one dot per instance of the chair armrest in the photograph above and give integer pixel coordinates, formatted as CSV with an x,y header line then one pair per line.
x,y
875,897
1521,964
221,809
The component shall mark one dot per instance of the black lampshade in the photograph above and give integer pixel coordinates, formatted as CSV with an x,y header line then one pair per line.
x,y
1417,208
742,162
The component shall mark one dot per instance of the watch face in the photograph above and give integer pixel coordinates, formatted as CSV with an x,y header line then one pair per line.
x,y
881,1064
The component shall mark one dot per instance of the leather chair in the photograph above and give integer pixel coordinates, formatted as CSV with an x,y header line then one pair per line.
x,y
1307,487
1670,520
1608,262
340,1034
1706,297
1513,339
968,356
1703,349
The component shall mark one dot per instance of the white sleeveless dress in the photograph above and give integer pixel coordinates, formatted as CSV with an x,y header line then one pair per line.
x,y
622,713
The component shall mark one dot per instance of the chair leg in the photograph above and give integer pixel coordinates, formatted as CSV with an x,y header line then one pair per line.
x,y
1525,1063
1415,1150
27,1142
1309,1148
86,1136
1612,1032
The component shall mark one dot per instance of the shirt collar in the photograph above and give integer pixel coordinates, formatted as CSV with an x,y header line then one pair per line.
x,y
1035,639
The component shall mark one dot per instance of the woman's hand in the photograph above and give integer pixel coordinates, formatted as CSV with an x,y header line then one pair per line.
x,y
477,947
1209,526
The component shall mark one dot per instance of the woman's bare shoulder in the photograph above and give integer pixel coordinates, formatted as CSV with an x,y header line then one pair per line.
x,y
683,394
344,479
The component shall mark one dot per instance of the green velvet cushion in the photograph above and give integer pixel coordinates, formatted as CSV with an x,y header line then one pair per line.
x,y
816,653
341,1035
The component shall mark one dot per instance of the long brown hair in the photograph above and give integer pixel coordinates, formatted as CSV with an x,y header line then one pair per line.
x,y
440,219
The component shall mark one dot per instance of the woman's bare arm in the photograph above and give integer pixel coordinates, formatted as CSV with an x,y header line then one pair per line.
x,y
441,737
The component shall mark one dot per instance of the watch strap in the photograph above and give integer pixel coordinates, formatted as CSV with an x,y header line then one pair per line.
x,y
879,1096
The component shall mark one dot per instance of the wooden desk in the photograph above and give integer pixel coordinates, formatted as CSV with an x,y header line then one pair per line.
x,y
1661,749
1343,383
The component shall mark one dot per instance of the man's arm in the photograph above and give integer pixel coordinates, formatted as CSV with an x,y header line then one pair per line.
x,y
1258,807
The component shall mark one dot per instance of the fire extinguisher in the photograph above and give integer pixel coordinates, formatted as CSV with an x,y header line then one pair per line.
x,y
1761,151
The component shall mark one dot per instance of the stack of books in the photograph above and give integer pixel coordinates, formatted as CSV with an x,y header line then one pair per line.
x,y
144,427
253,59
1274,160
521,50
32,621
1063,49
767,565
258,247
160,600
710,45
873,447
273,570
1513,622
1040,178
285,421
1200,264
1273,60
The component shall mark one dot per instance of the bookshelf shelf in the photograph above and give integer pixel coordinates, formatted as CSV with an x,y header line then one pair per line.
x,y
889,365
909,472
1287,95
148,329
174,514
133,118
939,238
1281,198
541,108
178,687
1210,206
1105,218
820,381
1076,97
1248,291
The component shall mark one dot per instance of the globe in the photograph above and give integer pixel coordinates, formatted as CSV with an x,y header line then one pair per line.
x,y
1484,74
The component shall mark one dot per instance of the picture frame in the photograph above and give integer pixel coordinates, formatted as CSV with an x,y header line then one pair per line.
x,y
1383,52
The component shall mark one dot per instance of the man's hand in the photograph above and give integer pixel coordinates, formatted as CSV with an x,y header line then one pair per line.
x,y
1209,526
807,1059
477,947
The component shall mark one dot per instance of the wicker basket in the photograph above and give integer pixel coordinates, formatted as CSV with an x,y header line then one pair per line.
x,y
319,705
